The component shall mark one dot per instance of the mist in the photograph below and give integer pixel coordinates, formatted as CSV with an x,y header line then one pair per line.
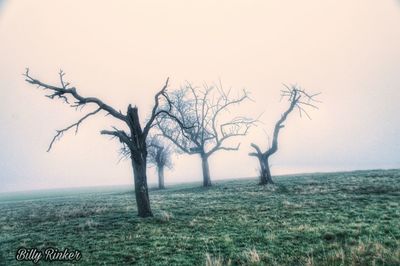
x,y
123,52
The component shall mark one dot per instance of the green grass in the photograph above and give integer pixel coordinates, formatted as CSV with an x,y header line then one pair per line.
x,y
316,219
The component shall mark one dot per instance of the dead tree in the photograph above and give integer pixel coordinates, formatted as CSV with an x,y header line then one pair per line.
x,y
159,156
132,139
298,99
205,130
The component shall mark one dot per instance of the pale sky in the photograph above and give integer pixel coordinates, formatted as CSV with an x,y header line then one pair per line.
x,y
122,52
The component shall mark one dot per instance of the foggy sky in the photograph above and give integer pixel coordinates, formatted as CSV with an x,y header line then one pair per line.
x,y
123,51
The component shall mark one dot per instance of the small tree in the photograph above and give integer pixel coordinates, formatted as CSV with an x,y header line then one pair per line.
x,y
298,99
207,128
159,156
134,139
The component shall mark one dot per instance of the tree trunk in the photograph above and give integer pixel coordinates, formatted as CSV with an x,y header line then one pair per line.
x,y
141,190
160,169
206,171
265,172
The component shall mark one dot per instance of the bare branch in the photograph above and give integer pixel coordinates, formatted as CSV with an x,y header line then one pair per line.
x,y
298,99
61,132
64,91
155,112
177,137
197,113
258,150
230,148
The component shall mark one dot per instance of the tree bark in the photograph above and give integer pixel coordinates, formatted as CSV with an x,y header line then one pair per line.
x,y
138,150
141,189
160,169
265,172
206,171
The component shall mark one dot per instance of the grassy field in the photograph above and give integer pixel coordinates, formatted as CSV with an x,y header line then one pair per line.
x,y
315,219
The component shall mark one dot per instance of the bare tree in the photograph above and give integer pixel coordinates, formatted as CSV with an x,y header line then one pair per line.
x,y
159,156
206,129
298,99
132,139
